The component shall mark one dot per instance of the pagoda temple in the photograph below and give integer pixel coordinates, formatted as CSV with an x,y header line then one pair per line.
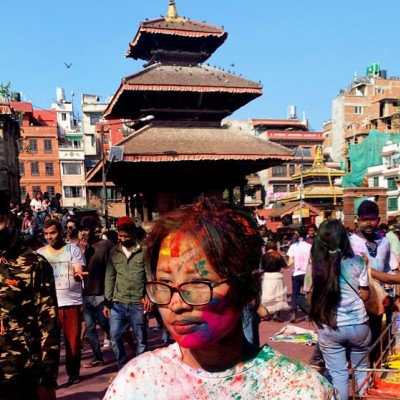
x,y
178,147
316,186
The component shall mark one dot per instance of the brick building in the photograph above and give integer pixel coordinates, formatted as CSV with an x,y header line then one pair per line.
x,y
9,135
370,102
39,164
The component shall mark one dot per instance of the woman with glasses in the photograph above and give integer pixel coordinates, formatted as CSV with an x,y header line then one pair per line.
x,y
71,232
204,260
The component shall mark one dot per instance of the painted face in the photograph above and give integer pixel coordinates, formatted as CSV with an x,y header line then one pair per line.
x,y
182,259
368,223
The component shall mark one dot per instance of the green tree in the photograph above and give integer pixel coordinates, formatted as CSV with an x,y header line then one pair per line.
x,y
5,93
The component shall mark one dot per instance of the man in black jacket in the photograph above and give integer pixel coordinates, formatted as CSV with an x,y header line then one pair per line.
x,y
96,253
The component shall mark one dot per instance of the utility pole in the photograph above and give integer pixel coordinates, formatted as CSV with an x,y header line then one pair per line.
x,y
104,175
301,189
135,124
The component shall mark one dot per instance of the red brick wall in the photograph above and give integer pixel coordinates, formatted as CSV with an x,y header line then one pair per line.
x,y
27,157
379,195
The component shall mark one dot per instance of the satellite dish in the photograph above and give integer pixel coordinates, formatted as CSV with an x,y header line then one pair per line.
x,y
116,153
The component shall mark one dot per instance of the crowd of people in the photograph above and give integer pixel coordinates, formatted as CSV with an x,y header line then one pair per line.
x,y
209,273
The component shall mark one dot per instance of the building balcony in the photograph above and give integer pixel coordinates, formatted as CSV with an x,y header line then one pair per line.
x,y
67,152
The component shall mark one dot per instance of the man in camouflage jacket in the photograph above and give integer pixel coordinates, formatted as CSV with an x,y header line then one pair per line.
x,y
29,328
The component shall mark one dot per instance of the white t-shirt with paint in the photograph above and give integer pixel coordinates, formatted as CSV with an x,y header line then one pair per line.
x,y
69,291
162,375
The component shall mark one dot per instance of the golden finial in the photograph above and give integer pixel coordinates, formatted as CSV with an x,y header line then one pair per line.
x,y
172,14
319,158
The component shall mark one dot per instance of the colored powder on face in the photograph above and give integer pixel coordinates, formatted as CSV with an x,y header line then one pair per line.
x,y
165,249
200,267
170,246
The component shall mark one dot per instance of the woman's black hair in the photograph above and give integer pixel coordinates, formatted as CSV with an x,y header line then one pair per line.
x,y
329,246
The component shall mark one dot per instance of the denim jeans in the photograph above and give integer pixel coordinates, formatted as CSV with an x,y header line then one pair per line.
x,y
355,339
122,316
297,284
250,323
92,313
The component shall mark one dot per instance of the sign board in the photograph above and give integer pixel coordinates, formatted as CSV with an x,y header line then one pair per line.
x,y
116,153
305,212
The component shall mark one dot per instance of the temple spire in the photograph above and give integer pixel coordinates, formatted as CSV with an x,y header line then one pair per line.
x,y
172,14
319,158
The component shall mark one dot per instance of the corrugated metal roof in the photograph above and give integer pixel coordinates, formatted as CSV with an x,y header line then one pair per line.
x,y
23,106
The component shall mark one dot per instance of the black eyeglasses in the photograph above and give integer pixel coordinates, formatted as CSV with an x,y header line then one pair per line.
x,y
196,293
70,227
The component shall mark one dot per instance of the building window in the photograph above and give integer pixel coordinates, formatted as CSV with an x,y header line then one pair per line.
x,y
77,144
49,169
376,181
292,188
73,191
33,145
95,118
48,148
302,152
51,190
36,189
23,192
392,184
71,168
63,116
279,188
291,169
358,110
22,169
280,170
392,204
34,168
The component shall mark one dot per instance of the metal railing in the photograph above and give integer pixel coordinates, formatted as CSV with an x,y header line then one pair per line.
x,y
385,344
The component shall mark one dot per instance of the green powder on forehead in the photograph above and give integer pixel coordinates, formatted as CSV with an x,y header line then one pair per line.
x,y
200,267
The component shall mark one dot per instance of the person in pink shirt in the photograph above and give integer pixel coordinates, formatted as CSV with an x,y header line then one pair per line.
x,y
299,258
29,223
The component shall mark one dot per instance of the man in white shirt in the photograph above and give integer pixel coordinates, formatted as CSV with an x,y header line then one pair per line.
x,y
299,257
67,261
376,248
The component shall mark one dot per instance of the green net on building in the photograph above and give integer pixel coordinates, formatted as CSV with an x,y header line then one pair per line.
x,y
367,154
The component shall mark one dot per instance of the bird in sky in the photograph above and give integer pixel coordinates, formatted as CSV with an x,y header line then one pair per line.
x,y
67,65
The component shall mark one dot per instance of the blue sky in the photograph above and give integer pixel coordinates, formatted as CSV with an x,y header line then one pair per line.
x,y
302,51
